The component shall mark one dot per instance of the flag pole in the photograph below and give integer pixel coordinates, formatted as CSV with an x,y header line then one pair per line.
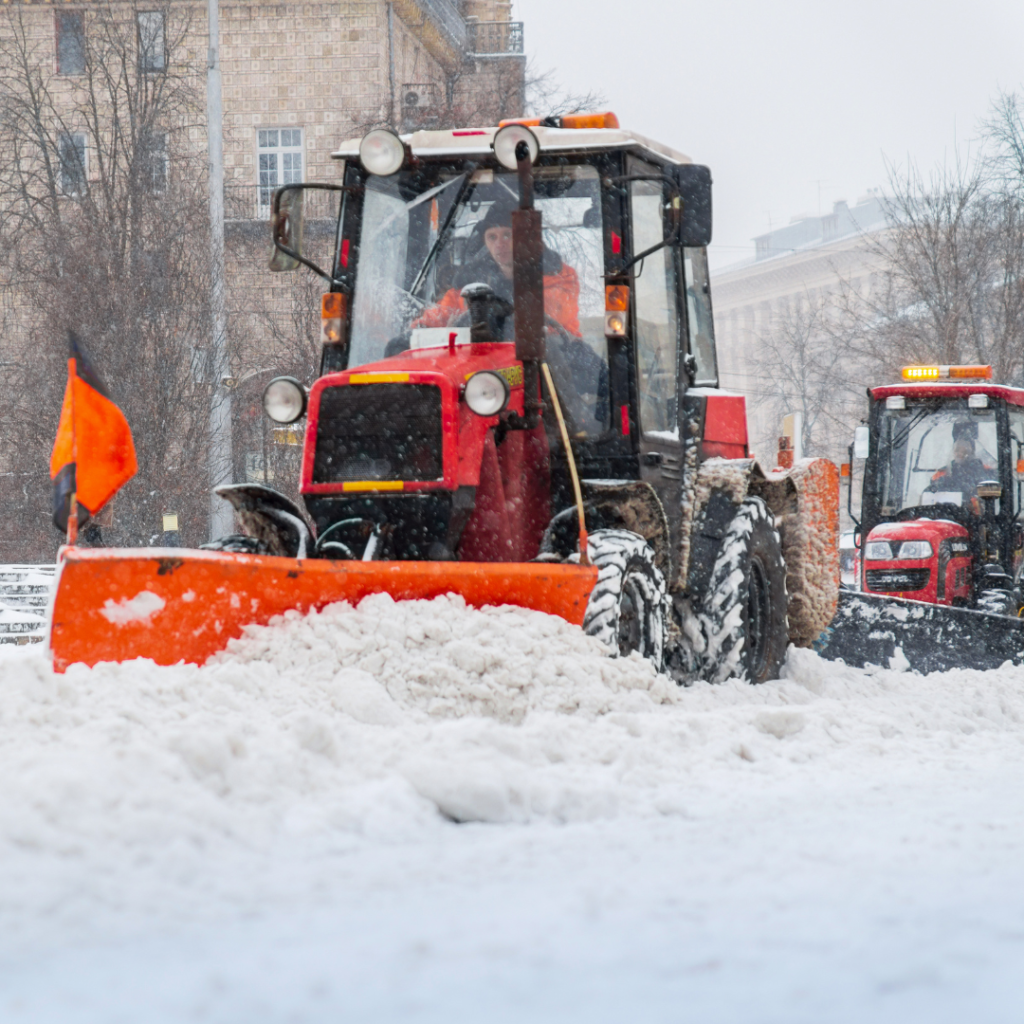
x,y
73,507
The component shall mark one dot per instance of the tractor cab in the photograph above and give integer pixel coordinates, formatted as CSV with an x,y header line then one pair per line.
x,y
941,516
458,269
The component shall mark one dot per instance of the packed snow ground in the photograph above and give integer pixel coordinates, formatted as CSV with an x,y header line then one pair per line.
x,y
424,812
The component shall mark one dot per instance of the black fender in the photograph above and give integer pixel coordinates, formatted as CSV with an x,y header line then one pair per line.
x,y
271,518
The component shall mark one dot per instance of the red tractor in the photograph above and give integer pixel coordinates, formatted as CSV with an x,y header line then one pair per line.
x,y
518,401
941,522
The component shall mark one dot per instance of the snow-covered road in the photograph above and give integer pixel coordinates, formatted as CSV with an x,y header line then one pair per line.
x,y
422,812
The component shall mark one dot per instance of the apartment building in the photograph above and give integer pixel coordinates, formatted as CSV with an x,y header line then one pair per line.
x,y
298,78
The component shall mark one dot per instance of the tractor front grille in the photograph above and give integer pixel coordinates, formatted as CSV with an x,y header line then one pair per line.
x,y
378,432
897,580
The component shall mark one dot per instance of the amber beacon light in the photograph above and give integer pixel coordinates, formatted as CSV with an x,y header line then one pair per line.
x,y
926,373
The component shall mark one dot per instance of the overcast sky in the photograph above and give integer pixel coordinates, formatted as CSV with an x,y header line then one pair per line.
x,y
793,104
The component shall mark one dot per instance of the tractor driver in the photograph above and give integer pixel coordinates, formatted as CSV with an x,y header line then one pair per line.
x,y
965,470
577,369
492,265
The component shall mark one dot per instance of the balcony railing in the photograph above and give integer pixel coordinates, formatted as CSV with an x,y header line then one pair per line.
x,y
495,38
446,16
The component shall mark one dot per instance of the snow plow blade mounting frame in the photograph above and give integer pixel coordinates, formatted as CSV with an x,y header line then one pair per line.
x,y
868,628
175,605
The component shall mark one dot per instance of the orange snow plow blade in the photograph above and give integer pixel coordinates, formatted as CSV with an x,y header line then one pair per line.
x,y
176,605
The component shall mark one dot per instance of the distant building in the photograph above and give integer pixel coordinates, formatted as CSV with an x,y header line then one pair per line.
x,y
801,262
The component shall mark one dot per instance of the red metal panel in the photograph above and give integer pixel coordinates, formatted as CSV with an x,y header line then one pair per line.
x,y
725,422
938,389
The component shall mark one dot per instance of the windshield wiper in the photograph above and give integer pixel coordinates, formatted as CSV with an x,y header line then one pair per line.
x,y
444,231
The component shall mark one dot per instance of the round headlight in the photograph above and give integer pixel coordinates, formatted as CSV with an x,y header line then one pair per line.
x,y
284,400
505,141
486,393
381,152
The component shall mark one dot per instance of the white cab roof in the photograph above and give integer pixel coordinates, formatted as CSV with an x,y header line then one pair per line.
x,y
463,142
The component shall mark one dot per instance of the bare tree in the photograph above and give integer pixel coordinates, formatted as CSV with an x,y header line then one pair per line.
x,y
804,367
949,288
102,232
547,97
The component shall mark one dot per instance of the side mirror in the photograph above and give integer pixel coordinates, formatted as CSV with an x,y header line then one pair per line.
x,y
695,189
286,228
861,442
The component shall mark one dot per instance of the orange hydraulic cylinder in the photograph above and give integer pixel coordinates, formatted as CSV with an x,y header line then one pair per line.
x,y
173,605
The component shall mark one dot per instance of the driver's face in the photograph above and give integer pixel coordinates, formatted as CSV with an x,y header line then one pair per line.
x,y
962,450
499,245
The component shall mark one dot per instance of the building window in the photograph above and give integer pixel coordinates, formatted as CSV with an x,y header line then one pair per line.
x,y
70,42
280,161
153,160
152,45
71,155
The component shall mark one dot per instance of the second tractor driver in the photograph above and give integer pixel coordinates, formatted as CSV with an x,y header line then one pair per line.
x,y
965,470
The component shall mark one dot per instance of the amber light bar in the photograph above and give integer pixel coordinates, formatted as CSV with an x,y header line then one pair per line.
x,y
604,119
947,372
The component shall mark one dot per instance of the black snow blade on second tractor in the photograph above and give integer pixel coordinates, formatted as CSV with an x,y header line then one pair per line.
x,y
869,628
941,551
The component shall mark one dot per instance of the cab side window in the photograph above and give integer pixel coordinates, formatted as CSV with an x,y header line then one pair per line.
x,y
700,326
654,299
1016,418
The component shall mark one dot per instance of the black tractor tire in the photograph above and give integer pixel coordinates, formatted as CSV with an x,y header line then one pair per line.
x,y
742,615
628,605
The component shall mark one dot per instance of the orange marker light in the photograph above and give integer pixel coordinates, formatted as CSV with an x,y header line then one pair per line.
x,y
332,316
844,469
616,298
971,372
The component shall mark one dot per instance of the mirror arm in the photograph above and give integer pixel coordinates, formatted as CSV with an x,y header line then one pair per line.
x,y
675,239
275,201
672,240
306,263
849,492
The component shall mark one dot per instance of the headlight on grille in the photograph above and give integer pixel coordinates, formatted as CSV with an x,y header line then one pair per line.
x,y
915,549
877,551
486,393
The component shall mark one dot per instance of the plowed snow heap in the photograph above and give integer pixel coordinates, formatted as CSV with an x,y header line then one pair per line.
x,y
518,402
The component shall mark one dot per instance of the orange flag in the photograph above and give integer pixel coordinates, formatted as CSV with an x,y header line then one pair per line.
x,y
93,454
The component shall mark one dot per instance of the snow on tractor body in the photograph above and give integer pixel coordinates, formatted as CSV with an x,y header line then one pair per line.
x,y
941,525
517,329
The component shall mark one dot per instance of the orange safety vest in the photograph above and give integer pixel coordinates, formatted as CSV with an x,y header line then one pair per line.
x,y
561,302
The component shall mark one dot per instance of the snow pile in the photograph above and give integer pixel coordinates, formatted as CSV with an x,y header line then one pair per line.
x,y
384,723
446,660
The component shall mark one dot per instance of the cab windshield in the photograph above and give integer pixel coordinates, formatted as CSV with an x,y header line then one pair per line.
x,y
427,233
935,454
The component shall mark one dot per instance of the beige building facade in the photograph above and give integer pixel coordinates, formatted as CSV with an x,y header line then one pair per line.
x,y
298,78
794,268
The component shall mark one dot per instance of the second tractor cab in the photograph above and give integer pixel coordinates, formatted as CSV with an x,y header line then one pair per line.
x,y
941,513
518,402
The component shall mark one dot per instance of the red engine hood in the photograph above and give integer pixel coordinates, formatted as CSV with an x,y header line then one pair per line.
x,y
933,530
456,363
